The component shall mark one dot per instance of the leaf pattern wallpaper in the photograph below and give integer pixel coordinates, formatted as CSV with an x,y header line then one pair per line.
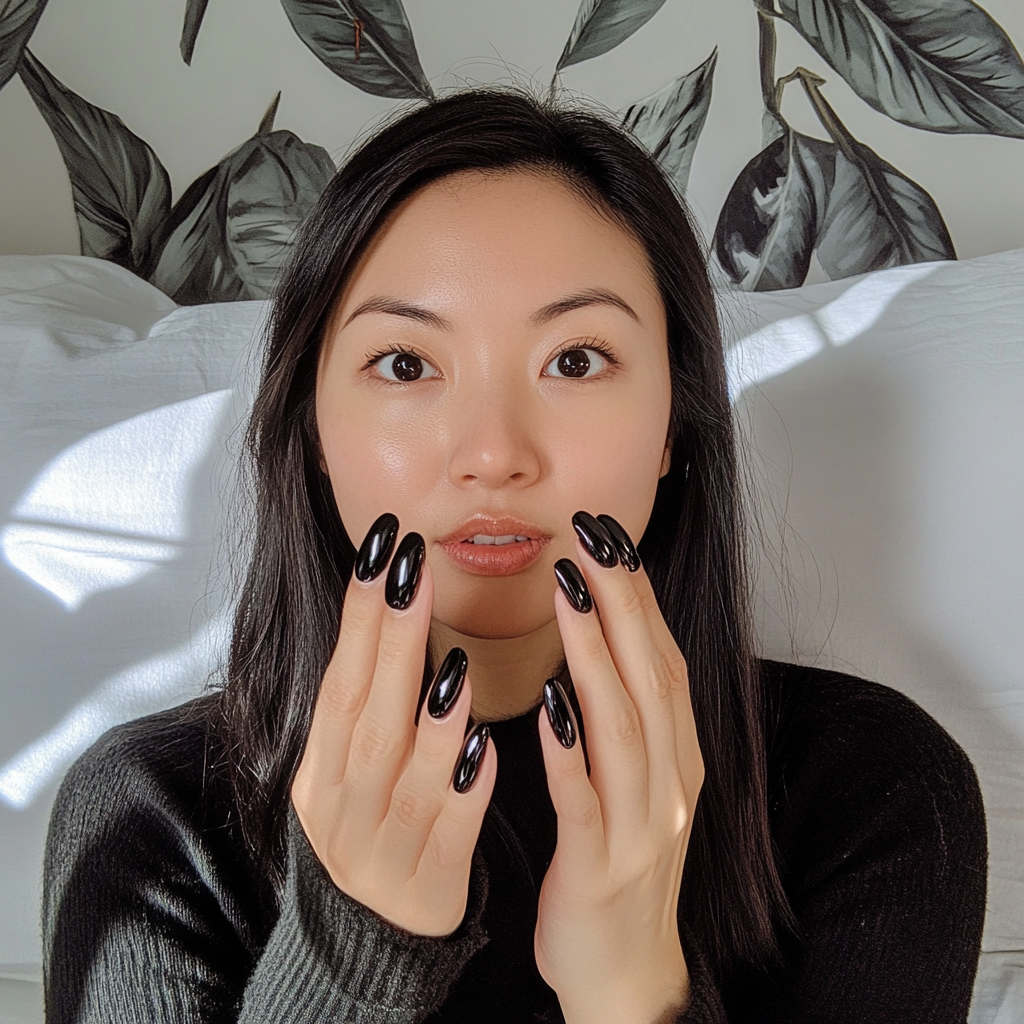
x,y
942,66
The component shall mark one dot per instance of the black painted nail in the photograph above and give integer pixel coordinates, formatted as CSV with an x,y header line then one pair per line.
x,y
404,574
596,539
375,550
627,553
559,713
573,585
447,684
469,760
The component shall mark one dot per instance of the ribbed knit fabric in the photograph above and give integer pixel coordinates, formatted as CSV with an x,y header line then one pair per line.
x,y
153,911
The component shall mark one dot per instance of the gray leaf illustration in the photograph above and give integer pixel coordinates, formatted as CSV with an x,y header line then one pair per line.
x,y
194,11
768,226
369,44
120,189
229,234
601,25
877,217
943,65
669,122
18,20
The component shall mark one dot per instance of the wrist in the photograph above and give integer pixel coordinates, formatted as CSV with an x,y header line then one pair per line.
x,y
659,1002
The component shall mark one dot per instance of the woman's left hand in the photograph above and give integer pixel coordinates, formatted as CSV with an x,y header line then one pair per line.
x,y
607,938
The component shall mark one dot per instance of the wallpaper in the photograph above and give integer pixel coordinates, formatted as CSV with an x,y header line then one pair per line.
x,y
942,66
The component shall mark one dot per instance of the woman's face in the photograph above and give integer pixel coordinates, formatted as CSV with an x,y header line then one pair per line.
x,y
531,381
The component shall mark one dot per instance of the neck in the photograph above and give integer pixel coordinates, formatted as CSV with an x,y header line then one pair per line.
x,y
508,674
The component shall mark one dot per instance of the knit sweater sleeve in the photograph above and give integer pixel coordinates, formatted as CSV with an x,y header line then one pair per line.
x,y
330,959
146,919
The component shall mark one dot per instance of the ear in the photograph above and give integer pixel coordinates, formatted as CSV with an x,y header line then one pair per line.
x,y
666,458
323,465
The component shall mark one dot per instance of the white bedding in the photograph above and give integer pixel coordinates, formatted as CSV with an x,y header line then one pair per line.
x,y
886,421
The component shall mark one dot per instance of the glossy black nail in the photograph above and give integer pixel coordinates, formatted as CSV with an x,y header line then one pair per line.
x,y
405,571
573,585
560,713
469,760
375,550
447,684
627,552
596,539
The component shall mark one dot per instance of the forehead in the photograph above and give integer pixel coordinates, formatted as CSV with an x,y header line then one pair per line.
x,y
494,233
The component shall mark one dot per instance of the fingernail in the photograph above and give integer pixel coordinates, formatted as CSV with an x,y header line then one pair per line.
x,y
594,537
469,759
447,684
627,553
573,585
559,713
375,550
405,571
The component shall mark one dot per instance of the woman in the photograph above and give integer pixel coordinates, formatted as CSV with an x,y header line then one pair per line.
x,y
493,361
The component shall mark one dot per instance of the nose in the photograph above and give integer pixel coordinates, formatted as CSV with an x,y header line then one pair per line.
x,y
496,443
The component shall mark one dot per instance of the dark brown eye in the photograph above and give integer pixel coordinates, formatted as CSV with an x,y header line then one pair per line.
x,y
576,363
405,367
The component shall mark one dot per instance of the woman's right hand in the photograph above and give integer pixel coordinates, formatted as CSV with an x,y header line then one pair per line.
x,y
375,792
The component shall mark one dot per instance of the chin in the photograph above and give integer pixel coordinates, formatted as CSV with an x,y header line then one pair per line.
x,y
495,619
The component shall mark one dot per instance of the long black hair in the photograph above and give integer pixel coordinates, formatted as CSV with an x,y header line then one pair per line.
x,y
301,556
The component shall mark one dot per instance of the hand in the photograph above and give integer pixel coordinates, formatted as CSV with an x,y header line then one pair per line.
x,y
607,938
374,791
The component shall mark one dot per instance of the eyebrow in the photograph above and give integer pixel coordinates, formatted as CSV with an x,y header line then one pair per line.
x,y
544,315
396,307
578,300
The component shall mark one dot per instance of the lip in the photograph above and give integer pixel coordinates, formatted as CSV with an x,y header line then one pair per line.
x,y
492,559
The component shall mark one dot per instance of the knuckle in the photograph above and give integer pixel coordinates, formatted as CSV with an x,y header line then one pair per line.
x,y
661,684
359,620
412,811
671,676
625,724
392,650
339,696
675,667
371,743
357,616
433,757
440,854
632,602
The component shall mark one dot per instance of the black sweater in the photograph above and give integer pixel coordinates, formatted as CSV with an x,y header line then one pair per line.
x,y
153,911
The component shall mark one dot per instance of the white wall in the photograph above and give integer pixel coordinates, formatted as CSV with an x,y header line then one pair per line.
x,y
123,56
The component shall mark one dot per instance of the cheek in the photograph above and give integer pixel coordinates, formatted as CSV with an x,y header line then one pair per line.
x,y
376,465
613,458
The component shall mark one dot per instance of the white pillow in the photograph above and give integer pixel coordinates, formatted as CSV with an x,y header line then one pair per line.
x,y
886,417
116,415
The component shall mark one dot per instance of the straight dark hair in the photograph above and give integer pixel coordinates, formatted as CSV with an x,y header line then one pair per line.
x,y
301,557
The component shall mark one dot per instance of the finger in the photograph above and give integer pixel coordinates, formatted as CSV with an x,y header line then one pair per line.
x,y
453,838
581,825
647,671
383,737
345,685
687,745
422,790
615,743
